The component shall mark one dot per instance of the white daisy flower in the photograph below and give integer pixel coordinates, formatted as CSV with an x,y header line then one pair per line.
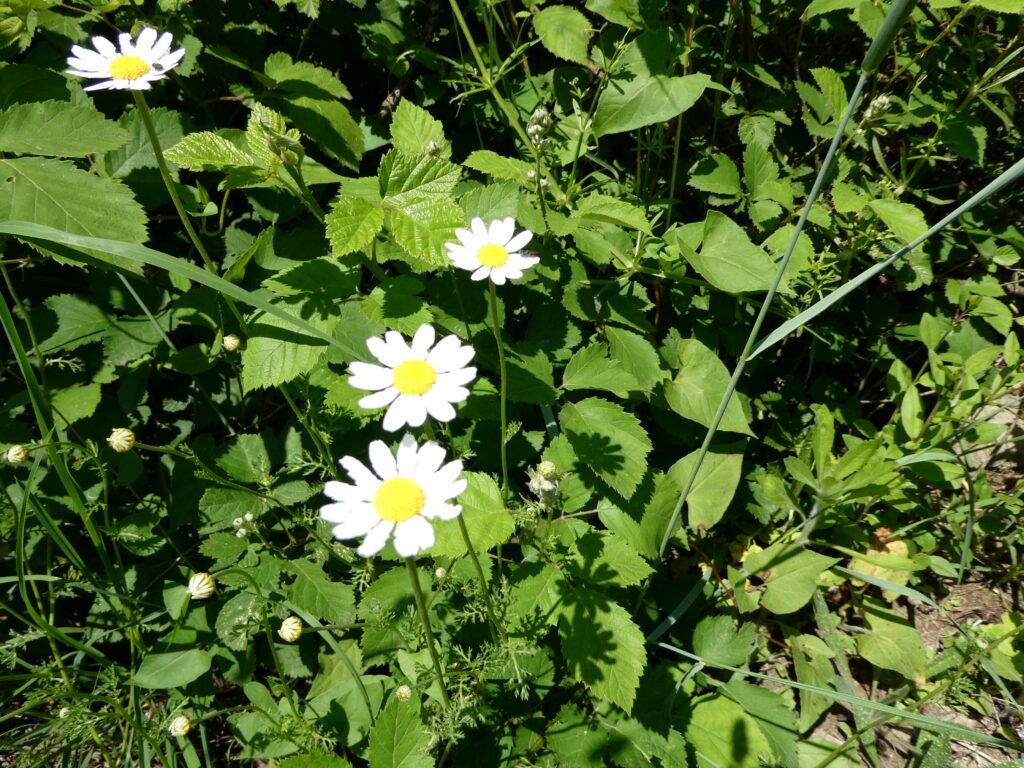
x,y
491,251
406,493
137,64
415,380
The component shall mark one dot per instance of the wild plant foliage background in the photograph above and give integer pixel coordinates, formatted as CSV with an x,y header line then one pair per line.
x,y
826,572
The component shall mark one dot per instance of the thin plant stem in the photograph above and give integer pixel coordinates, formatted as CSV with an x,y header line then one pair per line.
x,y
493,300
494,625
421,608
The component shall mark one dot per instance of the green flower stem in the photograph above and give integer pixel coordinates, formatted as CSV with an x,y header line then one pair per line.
x,y
421,608
493,296
494,625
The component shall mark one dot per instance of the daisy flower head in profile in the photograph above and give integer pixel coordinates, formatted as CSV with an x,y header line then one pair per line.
x,y
134,67
415,379
492,251
402,494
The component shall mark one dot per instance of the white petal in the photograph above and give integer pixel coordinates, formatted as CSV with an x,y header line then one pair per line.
x,y
375,539
138,85
125,41
339,491
441,511
161,46
498,276
455,378
104,85
501,231
406,458
447,482
519,241
449,354
422,341
438,408
412,536
518,262
89,74
379,399
362,476
464,260
380,349
170,61
106,48
350,520
382,461
369,376
481,273
480,232
428,461
407,409
144,43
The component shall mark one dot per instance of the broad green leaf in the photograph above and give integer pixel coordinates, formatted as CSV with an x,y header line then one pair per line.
x,y
402,176
601,645
903,219
399,739
275,353
590,368
314,592
58,129
76,402
608,442
966,135
172,670
78,322
633,101
219,506
238,620
396,304
600,557
637,356
790,575
137,152
813,666
56,194
293,75
493,164
484,514
422,224
24,83
717,174
832,88
534,596
716,641
530,378
352,224
414,131
723,734
625,13
713,488
892,642
728,259
697,389
643,521
245,458
774,719
574,737
611,210
564,31
207,151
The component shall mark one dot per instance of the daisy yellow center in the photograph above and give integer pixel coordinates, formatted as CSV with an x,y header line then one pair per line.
x,y
491,255
128,68
414,377
398,499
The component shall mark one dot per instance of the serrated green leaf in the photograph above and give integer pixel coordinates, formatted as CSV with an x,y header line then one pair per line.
x,y
717,174
625,13
892,642
590,368
58,129
612,211
399,739
275,353
697,389
832,88
484,514
905,220
414,131
352,224
564,31
717,641
534,597
402,177
608,442
397,304
219,506
172,670
636,355
313,592
601,645
423,224
78,322
206,151
727,258
493,164
602,558
137,152
238,620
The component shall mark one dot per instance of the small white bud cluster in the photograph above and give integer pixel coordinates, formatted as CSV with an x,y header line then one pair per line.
x,y
240,522
544,482
537,126
230,343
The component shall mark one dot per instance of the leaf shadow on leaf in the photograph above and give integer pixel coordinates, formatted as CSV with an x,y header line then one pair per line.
x,y
596,647
284,334
597,454
303,88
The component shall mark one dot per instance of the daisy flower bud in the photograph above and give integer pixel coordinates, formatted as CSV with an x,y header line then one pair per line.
x,y
230,343
403,693
290,629
201,586
402,495
134,67
17,454
414,380
121,440
440,574
179,726
492,251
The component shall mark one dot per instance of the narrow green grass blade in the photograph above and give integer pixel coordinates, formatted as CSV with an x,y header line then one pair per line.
x,y
76,247
1005,179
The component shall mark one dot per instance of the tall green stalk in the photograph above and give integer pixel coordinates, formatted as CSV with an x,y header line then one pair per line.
x,y
421,608
503,396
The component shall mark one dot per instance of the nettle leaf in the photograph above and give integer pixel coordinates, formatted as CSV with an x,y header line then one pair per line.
x,y
58,129
637,356
611,210
608,442
352,224
601,645
54,193
903,219
698,388
564,31
727,259
635,100
414,130
966,135
315,593
484,514
422,224
172,670
207,151
790,574
219,506
399,739
531,378
643,521
276,353
713,488
493,164
590,368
